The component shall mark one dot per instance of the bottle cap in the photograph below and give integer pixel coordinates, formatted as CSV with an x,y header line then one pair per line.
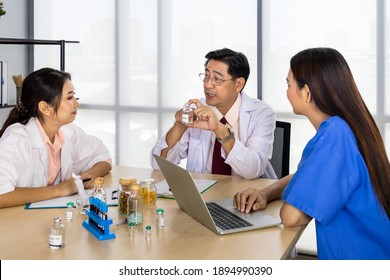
x,y
148,181
99,181
160,210
131,224
70,204
127,181
148,227
135,187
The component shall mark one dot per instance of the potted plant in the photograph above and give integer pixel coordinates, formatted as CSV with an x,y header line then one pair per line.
x,y
2,11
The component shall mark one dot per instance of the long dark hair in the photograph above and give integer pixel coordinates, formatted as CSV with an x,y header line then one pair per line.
x,y
46,85
334,91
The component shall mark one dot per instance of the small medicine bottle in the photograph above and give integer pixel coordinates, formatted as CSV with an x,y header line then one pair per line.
x,y
57,234
187,115
132,230
160,218
69,211
99,192
148,233
148,191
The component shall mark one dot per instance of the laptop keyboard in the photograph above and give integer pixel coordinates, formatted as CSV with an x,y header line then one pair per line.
x,y
225,219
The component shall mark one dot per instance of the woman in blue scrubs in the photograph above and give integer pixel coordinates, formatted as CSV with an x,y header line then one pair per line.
x,y
343,178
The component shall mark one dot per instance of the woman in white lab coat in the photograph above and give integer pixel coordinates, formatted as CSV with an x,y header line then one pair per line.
x,y
40,146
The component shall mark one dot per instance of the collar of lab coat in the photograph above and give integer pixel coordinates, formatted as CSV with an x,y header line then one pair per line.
x,y
38,143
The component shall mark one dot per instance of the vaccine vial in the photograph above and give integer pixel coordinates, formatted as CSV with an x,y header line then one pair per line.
x,y
69,211
160,218
57,234
148,233
187,115
132,230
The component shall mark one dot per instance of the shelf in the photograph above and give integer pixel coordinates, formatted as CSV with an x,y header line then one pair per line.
x,y
61,43
7,106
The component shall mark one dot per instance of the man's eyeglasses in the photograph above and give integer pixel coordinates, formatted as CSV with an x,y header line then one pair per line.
x,y
214,80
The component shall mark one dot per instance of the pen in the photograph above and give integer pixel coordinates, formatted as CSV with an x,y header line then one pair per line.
x,y
86,180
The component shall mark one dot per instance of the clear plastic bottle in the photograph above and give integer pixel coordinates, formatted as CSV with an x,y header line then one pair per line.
x,y
57,234
187,115
160,223
80,188
99,192
148,191
148,233
69,211
135,206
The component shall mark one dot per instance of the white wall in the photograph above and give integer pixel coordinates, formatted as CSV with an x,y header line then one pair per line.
x,y
14,24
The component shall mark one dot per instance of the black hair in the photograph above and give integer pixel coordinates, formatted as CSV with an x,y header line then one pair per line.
x,y
45,84
237,62
334,92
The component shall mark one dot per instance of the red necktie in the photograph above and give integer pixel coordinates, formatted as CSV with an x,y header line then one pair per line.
x,y
219,166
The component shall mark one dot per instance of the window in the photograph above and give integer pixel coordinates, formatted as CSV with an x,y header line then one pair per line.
x,y
291,26
138,61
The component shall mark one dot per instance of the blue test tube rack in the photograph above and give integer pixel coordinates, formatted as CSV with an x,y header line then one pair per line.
x,y
98,222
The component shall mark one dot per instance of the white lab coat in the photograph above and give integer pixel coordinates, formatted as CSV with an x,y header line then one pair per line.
x,y
24,155
250,155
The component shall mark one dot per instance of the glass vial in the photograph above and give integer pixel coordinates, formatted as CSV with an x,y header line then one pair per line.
x,y
148,233
124,193
135,206
99,192
57,234
160,218
148,191
187,115
69,211
132,230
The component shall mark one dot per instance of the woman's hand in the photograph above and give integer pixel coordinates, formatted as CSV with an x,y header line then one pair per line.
x,y
250,200
67,187
87,180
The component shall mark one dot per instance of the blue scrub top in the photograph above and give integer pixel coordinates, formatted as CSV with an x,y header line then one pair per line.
x,y
333,186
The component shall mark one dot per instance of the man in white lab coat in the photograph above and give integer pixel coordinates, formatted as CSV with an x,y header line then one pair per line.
x,y
232,133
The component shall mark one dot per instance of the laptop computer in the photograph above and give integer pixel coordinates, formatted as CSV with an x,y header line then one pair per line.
x,y
219,216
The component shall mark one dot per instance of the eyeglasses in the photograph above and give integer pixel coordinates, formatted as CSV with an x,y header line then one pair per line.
x,y
214,80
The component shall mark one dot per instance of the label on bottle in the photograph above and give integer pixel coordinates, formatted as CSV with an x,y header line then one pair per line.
x,y
160,221
55,241
185,118
69,215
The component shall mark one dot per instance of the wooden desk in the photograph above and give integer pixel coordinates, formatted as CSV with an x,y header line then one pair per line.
x,y
24,233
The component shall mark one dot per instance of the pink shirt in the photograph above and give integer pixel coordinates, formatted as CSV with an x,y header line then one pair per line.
x,y
54,151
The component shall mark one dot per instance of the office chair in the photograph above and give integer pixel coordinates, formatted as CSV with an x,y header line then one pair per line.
x,y
280,160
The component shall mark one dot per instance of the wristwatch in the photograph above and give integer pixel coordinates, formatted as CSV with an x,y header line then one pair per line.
x,y
227,138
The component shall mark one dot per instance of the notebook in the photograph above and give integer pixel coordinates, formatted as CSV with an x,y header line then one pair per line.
x,y
219,216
